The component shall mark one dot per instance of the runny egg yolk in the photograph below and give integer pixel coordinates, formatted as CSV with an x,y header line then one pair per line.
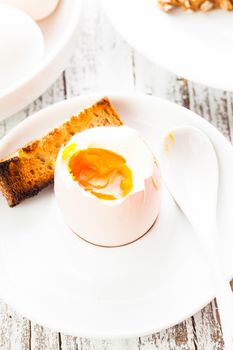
x,y
101,172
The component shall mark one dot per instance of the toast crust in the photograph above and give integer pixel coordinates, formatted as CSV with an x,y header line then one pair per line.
x,y
31,168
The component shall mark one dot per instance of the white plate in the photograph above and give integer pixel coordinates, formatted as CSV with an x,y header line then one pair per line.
x,y
55,278
197,46
59,31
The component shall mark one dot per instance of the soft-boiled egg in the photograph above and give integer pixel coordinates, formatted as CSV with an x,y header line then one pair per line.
x,y
107,185
37,9
21,45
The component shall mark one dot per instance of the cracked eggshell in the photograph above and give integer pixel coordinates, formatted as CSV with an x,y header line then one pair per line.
x,y
37,9
108,223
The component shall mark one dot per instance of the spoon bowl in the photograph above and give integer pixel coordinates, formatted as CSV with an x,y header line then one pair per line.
x,y
190,167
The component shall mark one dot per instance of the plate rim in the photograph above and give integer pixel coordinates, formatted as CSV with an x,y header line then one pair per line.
x,y
115,94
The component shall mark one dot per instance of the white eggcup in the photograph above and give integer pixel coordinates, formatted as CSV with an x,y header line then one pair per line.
x,y
116,222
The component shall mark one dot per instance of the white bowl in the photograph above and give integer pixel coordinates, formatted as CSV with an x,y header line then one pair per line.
x,y
59,31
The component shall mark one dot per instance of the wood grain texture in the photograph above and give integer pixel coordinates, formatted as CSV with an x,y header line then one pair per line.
x,y
103,61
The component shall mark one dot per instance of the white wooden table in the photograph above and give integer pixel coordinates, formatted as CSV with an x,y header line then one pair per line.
x,y
103,61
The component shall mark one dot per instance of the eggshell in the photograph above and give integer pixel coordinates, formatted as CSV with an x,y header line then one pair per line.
x,y
37,9
21,45
107,223
104,225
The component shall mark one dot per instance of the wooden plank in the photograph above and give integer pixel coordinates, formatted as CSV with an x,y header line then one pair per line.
x,y
111,344
44,339
149,78
178,337
68,342
52,95
219,111
211,104
207,329
14,330
102,59
230,113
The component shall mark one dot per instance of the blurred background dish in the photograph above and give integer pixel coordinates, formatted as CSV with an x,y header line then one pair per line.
x,y
196,46
59,30
21,45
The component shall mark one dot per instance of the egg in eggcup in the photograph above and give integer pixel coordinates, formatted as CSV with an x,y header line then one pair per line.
x,y
107,185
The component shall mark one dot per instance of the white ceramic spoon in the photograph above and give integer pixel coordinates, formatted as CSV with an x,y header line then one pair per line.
x,y
190,171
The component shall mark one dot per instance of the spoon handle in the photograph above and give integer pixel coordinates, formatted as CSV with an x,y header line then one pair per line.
x,y
224,298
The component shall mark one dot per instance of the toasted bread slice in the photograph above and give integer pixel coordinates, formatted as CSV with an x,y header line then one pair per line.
x,y
31,168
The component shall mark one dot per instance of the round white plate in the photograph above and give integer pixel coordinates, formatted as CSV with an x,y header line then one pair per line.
x,y
59,31
56,279
197,46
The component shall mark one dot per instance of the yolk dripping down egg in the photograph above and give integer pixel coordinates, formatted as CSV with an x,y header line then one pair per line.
x,y
107,185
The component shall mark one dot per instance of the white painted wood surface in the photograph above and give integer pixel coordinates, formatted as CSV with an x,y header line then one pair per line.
x,y
103,61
